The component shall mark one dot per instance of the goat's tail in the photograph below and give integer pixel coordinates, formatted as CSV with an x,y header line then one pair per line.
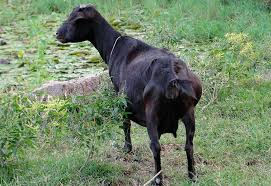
x,y
177,87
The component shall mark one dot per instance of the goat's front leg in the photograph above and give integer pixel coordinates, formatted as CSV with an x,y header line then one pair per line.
x,y
152,127
189,122
126,128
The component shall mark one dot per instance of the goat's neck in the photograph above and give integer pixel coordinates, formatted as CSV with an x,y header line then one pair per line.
x,y
103,38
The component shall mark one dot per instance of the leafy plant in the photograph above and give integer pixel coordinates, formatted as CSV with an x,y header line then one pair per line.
x,y
18,131
25,123
235,57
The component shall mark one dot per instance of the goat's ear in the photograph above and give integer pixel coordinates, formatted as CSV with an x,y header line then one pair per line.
x,y
79,17
86,12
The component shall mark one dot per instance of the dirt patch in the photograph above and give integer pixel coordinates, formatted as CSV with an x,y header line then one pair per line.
x,y
139,164
201,160
166,148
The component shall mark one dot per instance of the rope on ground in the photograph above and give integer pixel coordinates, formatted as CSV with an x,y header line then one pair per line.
x,y
148,182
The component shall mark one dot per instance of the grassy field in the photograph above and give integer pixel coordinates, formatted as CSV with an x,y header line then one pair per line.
x,y
78,140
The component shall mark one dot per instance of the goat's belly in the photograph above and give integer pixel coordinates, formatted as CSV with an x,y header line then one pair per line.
x,y
136,114
137,119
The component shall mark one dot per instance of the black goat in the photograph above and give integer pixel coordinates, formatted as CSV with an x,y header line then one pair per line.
x,y
160,88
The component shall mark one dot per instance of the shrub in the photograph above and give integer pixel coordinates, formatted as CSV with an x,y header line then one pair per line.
x,y
86,120
235,57
231,61
17,129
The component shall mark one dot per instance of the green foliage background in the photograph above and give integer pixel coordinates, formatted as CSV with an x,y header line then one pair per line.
x,y
78,140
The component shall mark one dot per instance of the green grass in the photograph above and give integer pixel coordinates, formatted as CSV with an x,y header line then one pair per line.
x,y
56,168
54,144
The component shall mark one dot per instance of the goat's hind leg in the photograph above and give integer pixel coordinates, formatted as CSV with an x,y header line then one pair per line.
x,y
156,149
127,129
152,127
189,122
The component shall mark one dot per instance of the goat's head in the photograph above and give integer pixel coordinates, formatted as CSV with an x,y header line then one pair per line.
x,y
78,26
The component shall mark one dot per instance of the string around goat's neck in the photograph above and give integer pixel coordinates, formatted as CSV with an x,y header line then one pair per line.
x,y
114,47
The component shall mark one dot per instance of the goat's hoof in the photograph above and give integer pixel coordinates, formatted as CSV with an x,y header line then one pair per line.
x,y
192,176
127,148
157,182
